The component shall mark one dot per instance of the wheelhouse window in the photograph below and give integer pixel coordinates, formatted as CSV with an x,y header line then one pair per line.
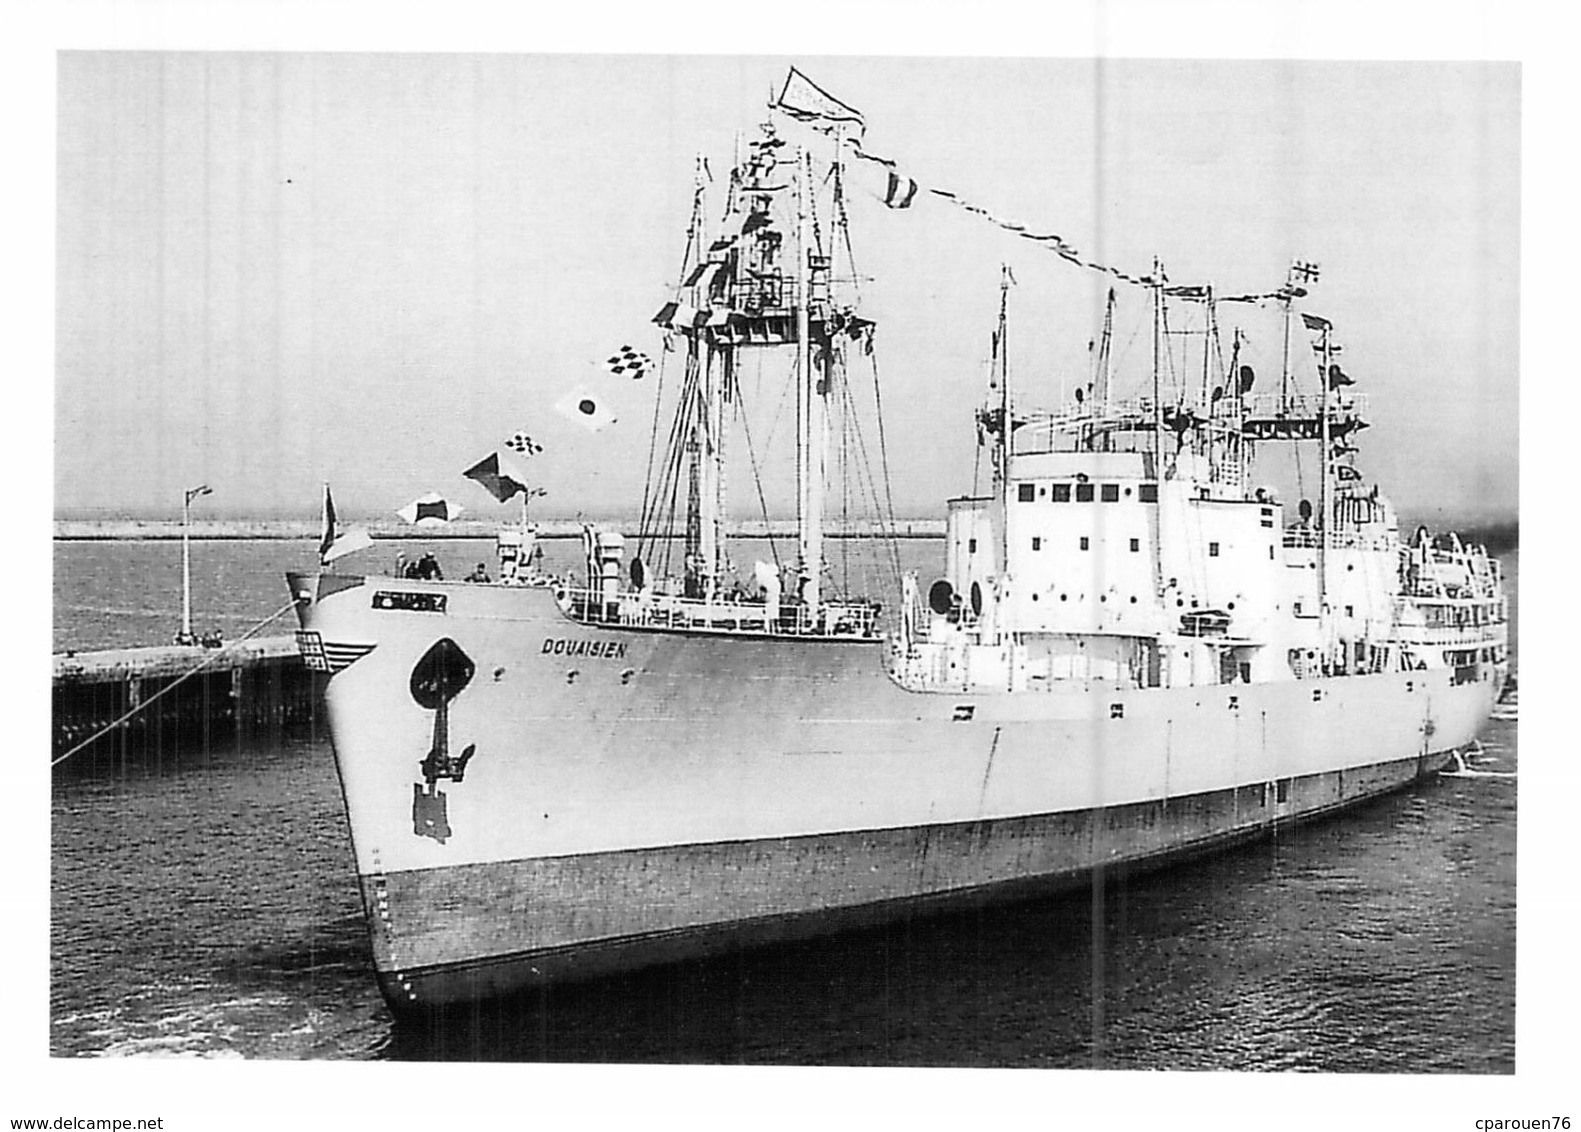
x,y
1025,492
1062,493
1110,493
1147,493
1084,492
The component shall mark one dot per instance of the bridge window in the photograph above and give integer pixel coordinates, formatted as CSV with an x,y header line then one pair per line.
x,y
1148,493
1062,493
1084,492
1026,492
1111,493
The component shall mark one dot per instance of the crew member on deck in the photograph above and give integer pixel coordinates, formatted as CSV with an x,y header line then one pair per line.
x,y
428,569
481,574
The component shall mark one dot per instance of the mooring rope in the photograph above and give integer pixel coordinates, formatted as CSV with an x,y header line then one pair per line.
x,y
208,660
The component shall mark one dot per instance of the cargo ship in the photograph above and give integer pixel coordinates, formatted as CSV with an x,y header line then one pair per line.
x,y
1133,652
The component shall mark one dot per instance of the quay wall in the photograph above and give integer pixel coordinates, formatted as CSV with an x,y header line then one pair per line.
x,y
189,698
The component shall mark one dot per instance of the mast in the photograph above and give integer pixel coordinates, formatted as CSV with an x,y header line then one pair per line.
x,y
1158,395
723,399
810,418
696,495
1158,431
710,479
698,404
1006,429
1325,503
1101,390
1234,450
1208,328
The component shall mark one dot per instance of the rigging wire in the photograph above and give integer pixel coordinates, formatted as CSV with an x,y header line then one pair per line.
x,y
865,465
846,425
757,477
653,445
669,483
883,456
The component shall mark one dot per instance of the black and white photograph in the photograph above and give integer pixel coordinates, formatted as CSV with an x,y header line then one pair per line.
x,y
846,559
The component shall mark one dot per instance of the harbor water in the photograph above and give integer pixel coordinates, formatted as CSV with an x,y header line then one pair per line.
x,y
205,904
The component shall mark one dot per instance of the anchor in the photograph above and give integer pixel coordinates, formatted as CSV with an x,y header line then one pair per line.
x,y
439,677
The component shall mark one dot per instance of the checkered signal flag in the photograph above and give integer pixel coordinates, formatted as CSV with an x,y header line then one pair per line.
x,y
630,363
524,445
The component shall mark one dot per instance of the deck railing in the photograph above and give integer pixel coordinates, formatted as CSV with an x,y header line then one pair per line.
x,y
669,611
1310,538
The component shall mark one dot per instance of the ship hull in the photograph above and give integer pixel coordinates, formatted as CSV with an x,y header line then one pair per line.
x,y
634,797
638,908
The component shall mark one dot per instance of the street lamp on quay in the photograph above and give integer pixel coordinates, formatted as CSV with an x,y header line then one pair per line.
x,y
185,637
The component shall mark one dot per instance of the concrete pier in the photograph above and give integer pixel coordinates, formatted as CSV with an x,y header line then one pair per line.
x,y
249,688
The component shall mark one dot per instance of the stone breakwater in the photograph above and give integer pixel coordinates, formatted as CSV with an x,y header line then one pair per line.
x,y
158,529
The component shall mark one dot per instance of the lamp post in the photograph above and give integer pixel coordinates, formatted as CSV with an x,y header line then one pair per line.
x,y
185,637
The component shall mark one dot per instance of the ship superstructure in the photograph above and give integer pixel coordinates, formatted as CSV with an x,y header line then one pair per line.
x,y
1133,653
1123,544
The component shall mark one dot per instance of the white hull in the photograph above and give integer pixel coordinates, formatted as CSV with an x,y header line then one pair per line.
x,y
647,793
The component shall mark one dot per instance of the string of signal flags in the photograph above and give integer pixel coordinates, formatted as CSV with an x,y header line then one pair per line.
x,y
806,102
503,473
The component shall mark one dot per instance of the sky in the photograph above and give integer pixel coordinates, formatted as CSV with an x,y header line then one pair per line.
x,y
279,269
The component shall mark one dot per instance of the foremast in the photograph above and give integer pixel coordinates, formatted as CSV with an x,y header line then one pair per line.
x,y
812,391
766,283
